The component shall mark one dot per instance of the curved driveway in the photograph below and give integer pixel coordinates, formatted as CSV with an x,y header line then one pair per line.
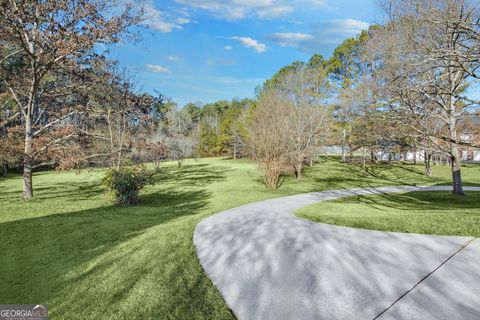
x,y
269,264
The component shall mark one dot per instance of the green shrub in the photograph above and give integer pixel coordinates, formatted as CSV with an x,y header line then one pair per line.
x,y
124,184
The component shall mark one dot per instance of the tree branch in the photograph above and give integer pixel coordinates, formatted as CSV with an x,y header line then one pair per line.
x,y
39,131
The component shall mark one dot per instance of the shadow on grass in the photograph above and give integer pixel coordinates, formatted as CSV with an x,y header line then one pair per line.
x,y
193,175
420,201
197,175
283,179
343,176
401,175
37,253
72,256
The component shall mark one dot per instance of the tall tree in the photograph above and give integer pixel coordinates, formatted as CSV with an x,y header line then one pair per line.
x,y
346,65
426,56
305,88
347,69
267,136
44,44
116,114
179,130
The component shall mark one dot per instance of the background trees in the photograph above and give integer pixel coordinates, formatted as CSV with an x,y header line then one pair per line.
x,y
10,140
396,88
221,128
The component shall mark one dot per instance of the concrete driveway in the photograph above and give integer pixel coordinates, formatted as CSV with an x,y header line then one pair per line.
x,y
269,264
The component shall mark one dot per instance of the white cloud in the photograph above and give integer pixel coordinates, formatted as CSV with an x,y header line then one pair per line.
x,y
182,21
318,3
183,11
175,58
241,9
174,17
161,20
274,12
228,48
157,69
223,62
251,43
289,39
346,26
323,37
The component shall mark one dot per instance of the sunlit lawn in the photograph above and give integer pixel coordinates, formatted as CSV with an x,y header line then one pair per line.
x,y
417,212
70,249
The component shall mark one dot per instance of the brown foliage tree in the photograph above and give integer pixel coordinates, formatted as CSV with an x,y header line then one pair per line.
x,y
43,47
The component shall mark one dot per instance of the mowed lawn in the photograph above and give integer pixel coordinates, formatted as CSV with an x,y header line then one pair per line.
x,y
71,249
435,212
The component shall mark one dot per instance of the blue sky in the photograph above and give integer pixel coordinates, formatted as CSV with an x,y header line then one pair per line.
x,y
207,50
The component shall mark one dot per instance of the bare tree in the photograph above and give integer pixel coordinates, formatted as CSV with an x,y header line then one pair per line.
x,y
238,132
267,136
347,71
42,41
307,117
179,135
359,117
426,57
115,114
150,146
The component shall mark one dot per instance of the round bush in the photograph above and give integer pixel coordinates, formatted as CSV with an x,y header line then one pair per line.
x,y
124,184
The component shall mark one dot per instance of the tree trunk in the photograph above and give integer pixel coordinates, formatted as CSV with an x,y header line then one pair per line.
x,y
298,171
414,156
364,162
119,158
179,163
234,152
428,163
27,181
27,162
344,142
272,174
5,169
373,157
454,152
456,173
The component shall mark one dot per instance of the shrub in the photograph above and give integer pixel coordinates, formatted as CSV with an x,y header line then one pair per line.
x,y
124,184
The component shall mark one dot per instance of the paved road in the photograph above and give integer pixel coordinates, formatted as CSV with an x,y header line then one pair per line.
x,y
269,264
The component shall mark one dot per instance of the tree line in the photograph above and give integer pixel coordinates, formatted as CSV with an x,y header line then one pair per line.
x,y
64,104
401,86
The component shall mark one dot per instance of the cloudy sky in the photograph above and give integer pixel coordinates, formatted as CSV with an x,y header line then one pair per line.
x,y
206,50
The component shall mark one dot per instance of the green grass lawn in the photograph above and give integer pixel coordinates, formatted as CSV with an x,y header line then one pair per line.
x,y
71,249
434,212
